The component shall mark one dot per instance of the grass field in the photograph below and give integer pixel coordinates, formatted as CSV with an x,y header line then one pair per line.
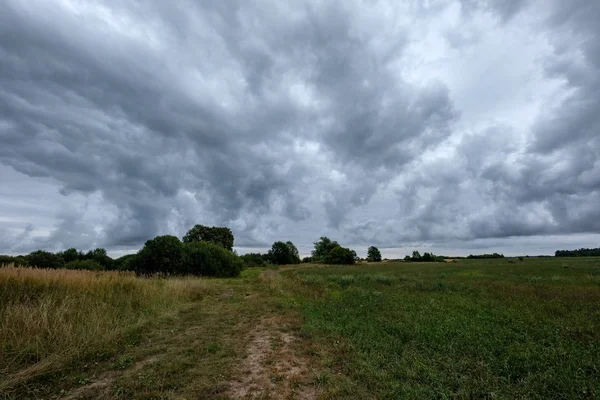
x,y
473,329
500,329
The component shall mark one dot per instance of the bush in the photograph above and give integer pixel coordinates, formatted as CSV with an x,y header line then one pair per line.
x,y
15,261
89,265
125,263
340,255
307,260
209,259
163,254
254,260
44,259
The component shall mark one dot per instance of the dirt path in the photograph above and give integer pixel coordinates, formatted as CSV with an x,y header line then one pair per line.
x,y
274,367
233,343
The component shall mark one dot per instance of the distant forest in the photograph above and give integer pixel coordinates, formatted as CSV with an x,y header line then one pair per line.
x,y
578,253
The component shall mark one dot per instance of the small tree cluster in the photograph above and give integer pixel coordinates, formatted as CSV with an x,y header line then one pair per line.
x,y
205,251
426,257
583,252
252,260
213,234
481,256
330,252
283,253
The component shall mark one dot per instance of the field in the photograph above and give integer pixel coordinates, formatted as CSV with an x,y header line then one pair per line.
x,y
503,329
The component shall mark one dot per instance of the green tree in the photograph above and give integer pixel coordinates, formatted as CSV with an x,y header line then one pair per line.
x,y
125,263
99,255
416,256
44,259
163,254
69,255
322,248
373,254
284,253
213,234
340,255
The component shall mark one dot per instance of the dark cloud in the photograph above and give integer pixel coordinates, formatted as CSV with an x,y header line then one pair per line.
x,y
121,121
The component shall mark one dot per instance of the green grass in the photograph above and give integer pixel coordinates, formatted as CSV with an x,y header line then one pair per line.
x,y
473,329
500,329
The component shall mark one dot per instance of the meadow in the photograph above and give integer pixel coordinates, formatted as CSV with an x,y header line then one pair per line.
x,y
51,319
501,328
473,329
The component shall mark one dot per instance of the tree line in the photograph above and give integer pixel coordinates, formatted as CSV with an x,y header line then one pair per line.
x,y
578,253
202,251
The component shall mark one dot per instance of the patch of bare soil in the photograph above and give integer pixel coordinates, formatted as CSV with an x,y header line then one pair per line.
x,y
274,367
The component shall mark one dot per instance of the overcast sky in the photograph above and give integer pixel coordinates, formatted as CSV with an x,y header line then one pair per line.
x,y
452,126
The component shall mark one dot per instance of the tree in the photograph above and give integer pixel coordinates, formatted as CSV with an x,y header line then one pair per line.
x,y
284,253
69,255
210,259
213,234
373,254
416,256
125,263
163,254
99,255
428,257
340,255
293,251
322,248
44,259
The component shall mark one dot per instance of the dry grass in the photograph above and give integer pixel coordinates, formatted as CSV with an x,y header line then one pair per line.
x,y
50,319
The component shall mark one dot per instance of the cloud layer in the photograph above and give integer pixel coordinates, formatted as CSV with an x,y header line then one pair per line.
x,y
443,123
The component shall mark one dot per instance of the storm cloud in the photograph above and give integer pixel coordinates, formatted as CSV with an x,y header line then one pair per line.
x,y
452,125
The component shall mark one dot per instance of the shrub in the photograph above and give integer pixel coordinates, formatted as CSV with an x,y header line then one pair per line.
x,y
340,255
163,254
254,260
89,265
307,260
15,261
209,259
125,263
44,259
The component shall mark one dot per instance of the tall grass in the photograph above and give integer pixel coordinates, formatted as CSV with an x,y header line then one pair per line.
x,y
52,318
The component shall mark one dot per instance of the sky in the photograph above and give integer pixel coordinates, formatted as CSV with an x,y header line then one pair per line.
x,y
455,127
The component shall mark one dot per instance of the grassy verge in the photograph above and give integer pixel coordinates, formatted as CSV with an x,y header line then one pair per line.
x,y
476,329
